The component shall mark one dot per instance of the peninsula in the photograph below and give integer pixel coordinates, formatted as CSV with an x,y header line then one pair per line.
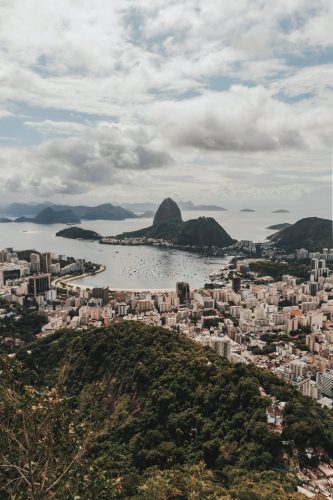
x,y
279,227
169,229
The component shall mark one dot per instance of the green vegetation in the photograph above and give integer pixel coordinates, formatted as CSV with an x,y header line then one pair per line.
x,y
155,415
312,233
276,269
272,339
78,233
19,325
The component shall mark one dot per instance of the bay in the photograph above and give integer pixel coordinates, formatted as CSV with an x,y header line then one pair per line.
x,y
141,267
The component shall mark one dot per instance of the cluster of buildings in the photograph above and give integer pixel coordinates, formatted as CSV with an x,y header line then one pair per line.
x,y
30,277
285,326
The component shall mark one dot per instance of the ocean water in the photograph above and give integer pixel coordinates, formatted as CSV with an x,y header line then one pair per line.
x,y
141,267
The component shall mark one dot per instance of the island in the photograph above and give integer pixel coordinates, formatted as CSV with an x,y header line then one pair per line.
x,y
279,227
281,211
247,210
77,233
4,220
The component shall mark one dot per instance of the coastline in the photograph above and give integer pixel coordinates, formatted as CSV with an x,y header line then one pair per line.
x,y
69,278
113,289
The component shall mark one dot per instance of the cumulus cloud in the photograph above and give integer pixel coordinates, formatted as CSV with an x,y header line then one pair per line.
x,y
242,119
98,156
211,91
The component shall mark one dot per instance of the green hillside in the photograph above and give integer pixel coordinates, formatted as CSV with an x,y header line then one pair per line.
x,y
312,233
141,412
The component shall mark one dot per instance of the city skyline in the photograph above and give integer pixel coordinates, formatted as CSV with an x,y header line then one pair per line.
x,y
208,101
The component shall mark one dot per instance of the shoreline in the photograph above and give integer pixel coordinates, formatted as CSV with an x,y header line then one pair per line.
x,y
69,278
117,289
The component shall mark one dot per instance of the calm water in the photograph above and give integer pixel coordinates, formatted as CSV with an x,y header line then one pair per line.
x,y
140,267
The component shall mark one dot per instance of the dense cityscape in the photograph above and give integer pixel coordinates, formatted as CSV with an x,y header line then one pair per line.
x,y
284,324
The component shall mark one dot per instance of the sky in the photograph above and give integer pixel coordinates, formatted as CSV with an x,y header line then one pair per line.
x,y
215,101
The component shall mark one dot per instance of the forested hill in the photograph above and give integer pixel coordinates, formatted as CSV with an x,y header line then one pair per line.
x,y
162,414
312,233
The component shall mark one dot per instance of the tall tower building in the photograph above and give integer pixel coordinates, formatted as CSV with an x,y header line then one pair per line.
x,y
37,285
35,263
46,262
183,292
101,293
236,284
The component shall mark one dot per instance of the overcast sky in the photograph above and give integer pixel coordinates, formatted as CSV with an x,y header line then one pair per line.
x,y
218,101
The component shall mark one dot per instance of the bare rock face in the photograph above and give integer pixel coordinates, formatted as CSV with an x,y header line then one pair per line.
x,y
168,211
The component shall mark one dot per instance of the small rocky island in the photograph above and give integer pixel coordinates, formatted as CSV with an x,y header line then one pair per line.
x,y
77,233
247,210
281,211
279,227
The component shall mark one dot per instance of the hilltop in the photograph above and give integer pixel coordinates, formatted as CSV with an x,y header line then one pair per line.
x,y
160,411
168,225
167,212
312,233
79,234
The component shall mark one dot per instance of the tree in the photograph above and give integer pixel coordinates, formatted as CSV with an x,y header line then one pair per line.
x,y
41,446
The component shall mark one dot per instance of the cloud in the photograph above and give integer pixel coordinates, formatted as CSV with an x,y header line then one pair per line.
x,y
242,119
99,155
138,96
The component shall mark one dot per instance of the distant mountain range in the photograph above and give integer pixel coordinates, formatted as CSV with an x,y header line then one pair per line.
x,y
189,205
312,233
46,214
168,225
183,205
